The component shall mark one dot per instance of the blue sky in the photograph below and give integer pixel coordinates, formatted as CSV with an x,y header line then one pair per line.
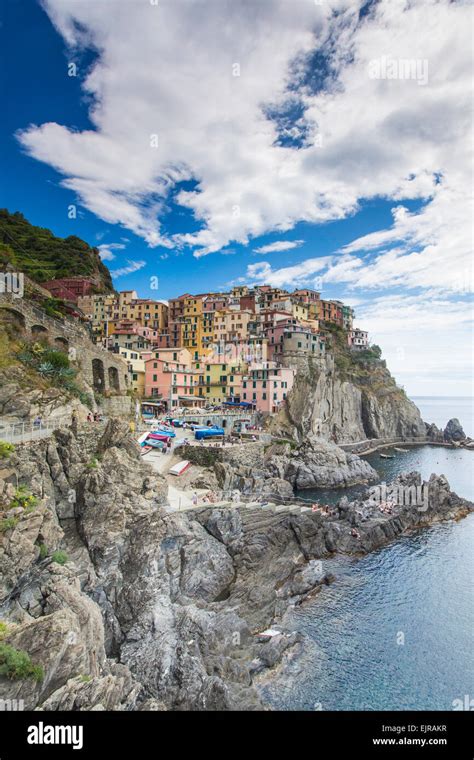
x,y
281,139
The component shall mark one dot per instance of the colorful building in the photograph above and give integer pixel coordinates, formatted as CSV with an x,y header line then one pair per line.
x,y
358,339
266,386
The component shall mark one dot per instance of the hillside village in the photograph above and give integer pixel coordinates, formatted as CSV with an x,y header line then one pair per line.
x,y
242,347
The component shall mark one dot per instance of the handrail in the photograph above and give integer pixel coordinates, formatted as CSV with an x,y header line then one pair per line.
x,y
22,432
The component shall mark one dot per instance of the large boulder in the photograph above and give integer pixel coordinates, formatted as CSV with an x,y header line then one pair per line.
x,y
319,464
453,431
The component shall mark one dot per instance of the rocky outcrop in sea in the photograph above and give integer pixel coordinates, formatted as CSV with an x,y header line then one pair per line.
x,y
126,605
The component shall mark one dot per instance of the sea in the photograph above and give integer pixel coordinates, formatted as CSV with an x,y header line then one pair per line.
x,y
395,631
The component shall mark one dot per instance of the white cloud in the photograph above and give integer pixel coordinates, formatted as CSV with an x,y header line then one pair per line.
x,y
132,266
299,274
279,245
106,250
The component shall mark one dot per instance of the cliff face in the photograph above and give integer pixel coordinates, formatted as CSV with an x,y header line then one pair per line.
x,y
347,403
152,609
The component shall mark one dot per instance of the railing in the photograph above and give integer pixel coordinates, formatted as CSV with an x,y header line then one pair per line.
x,y
24,432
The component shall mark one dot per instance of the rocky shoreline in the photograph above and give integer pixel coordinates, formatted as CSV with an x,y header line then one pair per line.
x,y
156,610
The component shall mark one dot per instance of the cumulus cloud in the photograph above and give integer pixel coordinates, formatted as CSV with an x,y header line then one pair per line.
x,y
279,245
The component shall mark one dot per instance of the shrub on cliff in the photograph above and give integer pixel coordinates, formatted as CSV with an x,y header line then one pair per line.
x,y
16,664
6,449
60,557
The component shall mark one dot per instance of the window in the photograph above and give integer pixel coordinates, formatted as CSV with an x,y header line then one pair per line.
x,y
155,378
264,396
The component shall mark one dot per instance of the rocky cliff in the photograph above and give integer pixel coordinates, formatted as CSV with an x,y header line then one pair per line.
x,y
110,601
346,397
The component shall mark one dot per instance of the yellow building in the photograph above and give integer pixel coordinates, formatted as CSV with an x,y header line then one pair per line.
x,y
222,381
231,326
300,311
136,365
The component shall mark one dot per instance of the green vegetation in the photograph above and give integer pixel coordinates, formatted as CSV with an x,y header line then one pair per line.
x,y
3,630
51,364
43,256
60,557
6,449
16,664
23,498
43,551
93,464
85,678
370,355
8,523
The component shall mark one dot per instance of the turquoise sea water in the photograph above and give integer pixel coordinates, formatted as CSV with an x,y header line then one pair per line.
x,y
396,629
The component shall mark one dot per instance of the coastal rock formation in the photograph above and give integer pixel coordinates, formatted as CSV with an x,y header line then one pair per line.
x,y
275,470
346,405
153,609
454,431
318,464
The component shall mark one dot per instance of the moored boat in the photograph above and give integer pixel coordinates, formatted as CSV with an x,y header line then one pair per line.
x,y
180,467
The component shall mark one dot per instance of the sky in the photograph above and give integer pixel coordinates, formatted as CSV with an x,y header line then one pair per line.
x,y
205,143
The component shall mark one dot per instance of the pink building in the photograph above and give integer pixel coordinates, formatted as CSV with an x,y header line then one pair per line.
x,y
267,386
173,382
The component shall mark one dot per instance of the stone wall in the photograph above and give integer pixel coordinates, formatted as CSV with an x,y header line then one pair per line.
x,y
103,371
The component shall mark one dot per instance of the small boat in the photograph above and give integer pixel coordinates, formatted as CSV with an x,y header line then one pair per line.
x,y
269,633
387,456
158,437
142,439
179,468
153,444
145,450
402,450
168,433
